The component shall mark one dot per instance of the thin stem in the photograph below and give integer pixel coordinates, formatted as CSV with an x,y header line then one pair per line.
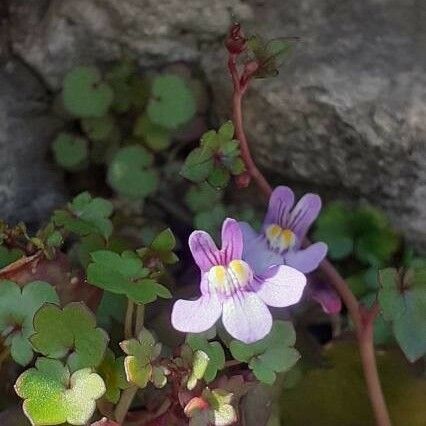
x,y
140,316
128,322
232,363
363,324
124,404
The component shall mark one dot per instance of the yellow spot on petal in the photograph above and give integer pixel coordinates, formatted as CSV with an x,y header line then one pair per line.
x,y
241,271
279,238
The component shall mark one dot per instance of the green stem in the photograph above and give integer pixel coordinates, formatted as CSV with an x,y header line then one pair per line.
x,y
128,322
140,317
124,404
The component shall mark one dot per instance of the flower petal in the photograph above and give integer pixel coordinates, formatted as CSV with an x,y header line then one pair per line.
x,y
326,296
204,250
282,286
256,251
246,317
303,215
306,260
232,241
280,204
196,316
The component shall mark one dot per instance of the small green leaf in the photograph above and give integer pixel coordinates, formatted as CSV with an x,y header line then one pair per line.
x,y
69,332
130,172
172,102
219,178
403,302
124,274
70,151
8,256
164,241
202,197
155,137
198,164
210,220
200,363
85,94
98,129
140,354
214,352
334,228
86,215
390,298
226,130
17,309
112,372
274,353
52,396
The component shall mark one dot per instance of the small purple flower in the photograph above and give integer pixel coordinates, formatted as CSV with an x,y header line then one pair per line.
x,y
325,295
229,288
282,234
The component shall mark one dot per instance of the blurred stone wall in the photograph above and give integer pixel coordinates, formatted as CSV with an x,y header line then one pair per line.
x,y
346,116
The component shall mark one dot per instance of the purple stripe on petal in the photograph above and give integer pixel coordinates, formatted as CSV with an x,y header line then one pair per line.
x,y
303,215
204,250
256,251
280,204
306,260
282,286
232,241
246,317
196,316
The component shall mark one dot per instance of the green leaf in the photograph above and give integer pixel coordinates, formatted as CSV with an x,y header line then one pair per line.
x,y
112,307
140,354
52,396
226,131
113,374
130,172
198,164
98,129
391,301
172,102
17,309
273,354
164,241
124,274
376,242
155,137
86,215
85,94
69,332
268,55
403,302
70,151
219,178
210,220
214,352
202,197
334,228
8,256
200,363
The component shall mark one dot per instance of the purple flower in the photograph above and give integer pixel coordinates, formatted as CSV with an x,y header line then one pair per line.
x,y
282,234
325,295
229,288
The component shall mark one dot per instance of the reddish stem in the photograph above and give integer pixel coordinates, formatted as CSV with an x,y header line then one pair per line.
x,y
363,320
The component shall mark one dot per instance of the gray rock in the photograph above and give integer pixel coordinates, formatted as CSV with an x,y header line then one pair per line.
x,y
63,33
29,188
346,116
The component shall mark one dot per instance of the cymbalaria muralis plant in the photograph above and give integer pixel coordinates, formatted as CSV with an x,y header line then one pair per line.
x,y
94,308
